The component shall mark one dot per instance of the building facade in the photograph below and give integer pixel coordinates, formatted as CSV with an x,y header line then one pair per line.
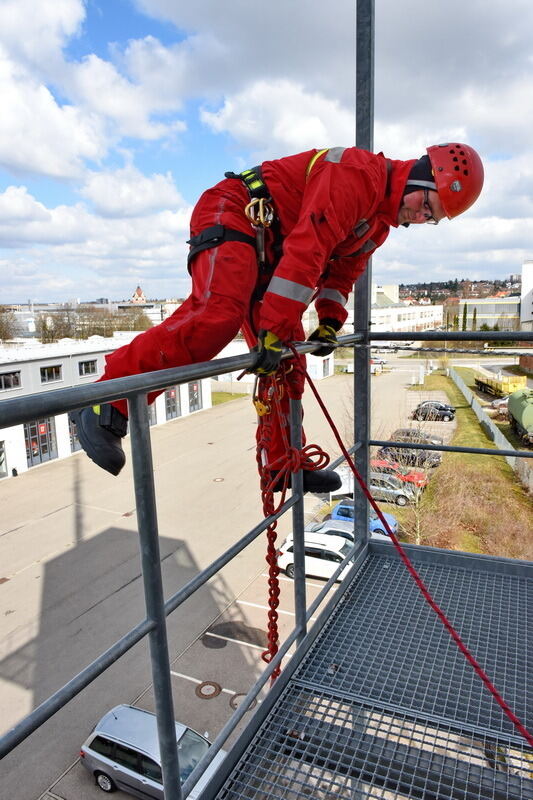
x,y
26,369
490,311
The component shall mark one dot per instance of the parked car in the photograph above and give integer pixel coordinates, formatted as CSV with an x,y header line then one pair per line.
x,y
390,489
343,514
323,554
410,457
378,360
415,435
416,477
122,752
433,410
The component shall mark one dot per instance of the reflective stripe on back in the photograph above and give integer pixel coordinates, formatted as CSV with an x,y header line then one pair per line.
x,y
335,154
332,294
290,290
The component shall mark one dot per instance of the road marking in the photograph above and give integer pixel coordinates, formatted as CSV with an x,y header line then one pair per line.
x,y
195,680
265,608
235,641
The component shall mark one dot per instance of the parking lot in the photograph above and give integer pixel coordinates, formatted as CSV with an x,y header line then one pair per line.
x,y
72,584
212,675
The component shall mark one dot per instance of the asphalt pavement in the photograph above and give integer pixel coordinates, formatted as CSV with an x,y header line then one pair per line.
x,y
71,585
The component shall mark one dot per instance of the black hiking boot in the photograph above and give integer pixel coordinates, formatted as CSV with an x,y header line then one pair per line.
x,y
318,481
100,430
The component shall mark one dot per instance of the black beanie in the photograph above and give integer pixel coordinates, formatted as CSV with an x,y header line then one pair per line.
x,y
420,177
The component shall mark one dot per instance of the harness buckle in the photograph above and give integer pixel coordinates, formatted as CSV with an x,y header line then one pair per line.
x,y
259,212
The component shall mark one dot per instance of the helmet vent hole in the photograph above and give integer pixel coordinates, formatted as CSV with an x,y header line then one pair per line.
x,y
455,158
465,172
457,168
452,152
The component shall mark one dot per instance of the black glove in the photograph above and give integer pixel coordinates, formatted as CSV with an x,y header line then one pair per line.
x,y
269,349
327,334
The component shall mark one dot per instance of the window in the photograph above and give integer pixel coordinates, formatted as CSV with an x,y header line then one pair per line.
x,y
172,402
9,380
127,758
191,748
3,463
195,396
50,374
40,439
150,769
102,746
87,368
329,556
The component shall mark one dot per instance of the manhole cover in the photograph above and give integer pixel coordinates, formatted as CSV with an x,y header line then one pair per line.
x,y
236,699
208,689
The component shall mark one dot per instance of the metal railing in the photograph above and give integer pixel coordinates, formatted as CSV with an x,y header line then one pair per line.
x,y
135,390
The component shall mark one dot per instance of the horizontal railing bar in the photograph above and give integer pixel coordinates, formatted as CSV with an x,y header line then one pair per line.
x,y
34,406
485,451
452,336
488,352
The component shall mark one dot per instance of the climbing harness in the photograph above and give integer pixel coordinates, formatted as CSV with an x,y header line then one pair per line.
x,y
416,577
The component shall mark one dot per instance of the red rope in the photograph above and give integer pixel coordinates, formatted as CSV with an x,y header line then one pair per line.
x,y
272,475
418,580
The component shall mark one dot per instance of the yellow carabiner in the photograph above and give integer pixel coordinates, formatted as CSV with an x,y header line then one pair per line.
x,y
261,407
259,212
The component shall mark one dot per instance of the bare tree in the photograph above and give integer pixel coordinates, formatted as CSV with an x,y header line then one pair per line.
x,y
7,324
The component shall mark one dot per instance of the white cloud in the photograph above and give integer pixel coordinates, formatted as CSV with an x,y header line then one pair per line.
x,y
99,87
37,134
16,205
128,193
35,33
281,117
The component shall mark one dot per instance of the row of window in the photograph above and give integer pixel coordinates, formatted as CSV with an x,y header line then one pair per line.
x,y
40,435
11,380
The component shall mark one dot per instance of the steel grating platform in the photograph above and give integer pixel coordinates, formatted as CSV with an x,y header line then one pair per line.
x,y
384,705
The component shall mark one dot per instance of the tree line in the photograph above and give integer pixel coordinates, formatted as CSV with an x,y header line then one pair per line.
x,y
77,322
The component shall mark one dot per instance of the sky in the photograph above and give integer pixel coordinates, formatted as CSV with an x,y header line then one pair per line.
x,y
117,115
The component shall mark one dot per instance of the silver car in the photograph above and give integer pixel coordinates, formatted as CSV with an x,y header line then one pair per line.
x,y
388,488
122,752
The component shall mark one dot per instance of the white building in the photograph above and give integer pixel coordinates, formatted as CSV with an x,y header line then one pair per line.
x,y
29,367
389,314
526,297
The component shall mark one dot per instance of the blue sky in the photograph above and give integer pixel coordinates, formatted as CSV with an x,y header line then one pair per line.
x,y
118,114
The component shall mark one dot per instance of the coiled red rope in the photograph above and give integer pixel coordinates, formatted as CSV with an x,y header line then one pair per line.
x,y
276,475
418,580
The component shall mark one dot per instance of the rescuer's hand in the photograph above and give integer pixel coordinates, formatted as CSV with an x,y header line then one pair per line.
x,y
327,334
269,349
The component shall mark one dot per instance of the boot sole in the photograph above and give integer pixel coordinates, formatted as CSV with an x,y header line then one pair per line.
x,y
93,452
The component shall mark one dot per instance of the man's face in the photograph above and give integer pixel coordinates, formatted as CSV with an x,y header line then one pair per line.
x,y
416,211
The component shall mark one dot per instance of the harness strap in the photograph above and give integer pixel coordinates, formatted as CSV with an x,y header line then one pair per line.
x,y
213,237
253,180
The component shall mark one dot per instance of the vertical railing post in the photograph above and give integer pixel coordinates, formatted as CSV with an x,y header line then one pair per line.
x,y
298,523
363,292
153,592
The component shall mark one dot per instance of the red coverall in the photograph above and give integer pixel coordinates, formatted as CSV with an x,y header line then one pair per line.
x,y
331,218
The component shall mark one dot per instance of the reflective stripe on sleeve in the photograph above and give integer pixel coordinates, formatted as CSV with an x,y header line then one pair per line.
x,y
290,290
332,294
334,154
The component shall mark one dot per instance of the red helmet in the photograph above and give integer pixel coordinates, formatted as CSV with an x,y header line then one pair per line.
x,y
458,173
